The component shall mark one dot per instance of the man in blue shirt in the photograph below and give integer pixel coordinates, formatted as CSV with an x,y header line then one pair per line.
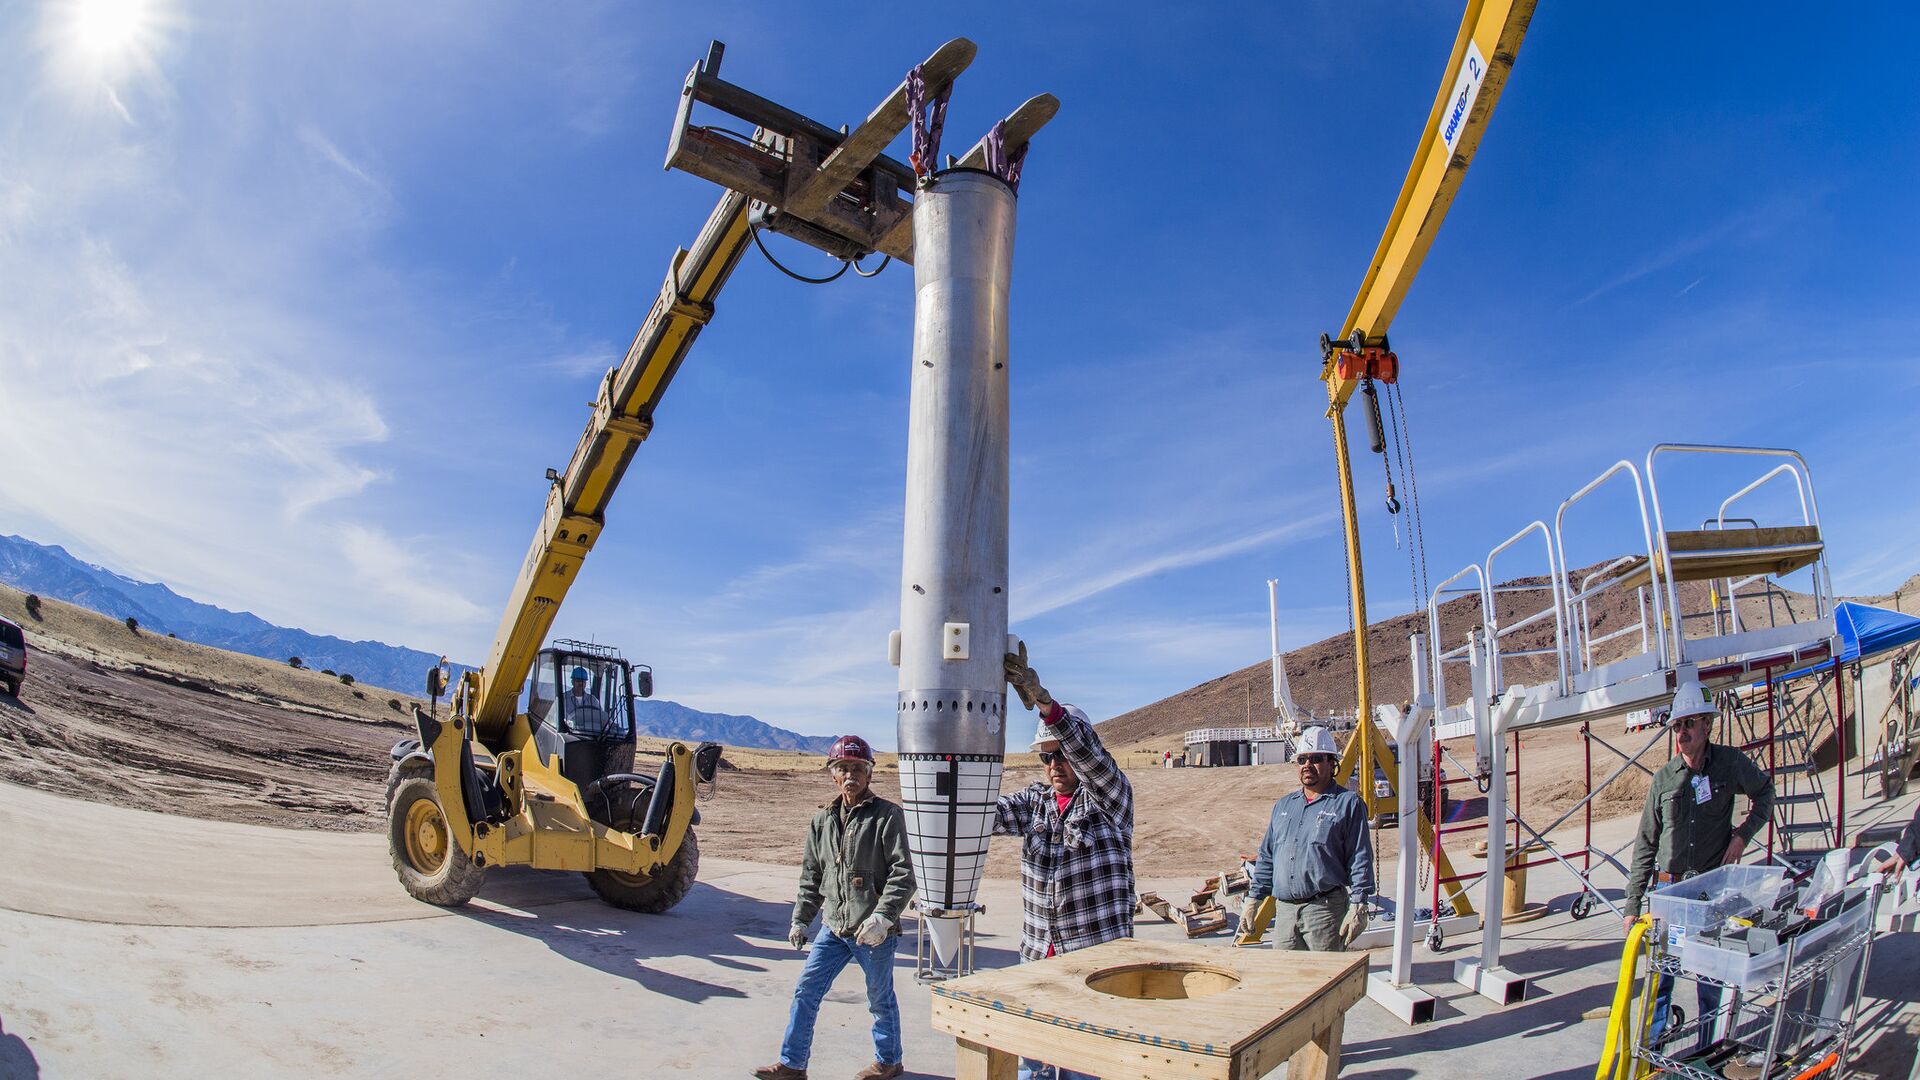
x,y
1316,859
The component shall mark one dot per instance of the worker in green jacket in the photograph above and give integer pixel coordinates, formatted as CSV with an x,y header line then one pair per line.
x,y
1686,826
857,876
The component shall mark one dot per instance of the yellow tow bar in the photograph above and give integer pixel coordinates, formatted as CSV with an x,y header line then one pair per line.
x,y
1617,1058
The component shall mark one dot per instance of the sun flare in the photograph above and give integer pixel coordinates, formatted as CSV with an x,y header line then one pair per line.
x,y
106,42
110,28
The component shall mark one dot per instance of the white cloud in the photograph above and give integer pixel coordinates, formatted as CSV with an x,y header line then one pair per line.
x,y
592,361
398,573
1080,576
316,141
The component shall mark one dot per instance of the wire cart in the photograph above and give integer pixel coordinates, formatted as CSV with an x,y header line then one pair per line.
x,y
1789,1012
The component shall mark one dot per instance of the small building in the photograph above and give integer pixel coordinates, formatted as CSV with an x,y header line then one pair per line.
x,y
1237,746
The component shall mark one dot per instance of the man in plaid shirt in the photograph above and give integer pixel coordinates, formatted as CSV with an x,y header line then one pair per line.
x,y
1076,862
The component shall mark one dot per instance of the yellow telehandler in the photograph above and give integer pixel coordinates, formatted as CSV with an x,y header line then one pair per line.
x,y
533,763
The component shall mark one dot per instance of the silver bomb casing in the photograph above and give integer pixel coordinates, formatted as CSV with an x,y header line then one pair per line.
x,y
953,587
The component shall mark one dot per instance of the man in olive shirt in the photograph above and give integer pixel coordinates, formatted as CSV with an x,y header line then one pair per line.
x,y
1686,827
858,877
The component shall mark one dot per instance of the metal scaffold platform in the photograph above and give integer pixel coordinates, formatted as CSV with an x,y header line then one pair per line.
x,y
1537,657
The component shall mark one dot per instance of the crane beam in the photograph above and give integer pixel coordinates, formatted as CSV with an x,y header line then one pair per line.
x,y
1483,54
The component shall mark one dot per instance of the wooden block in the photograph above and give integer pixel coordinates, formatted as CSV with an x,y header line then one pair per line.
x,y
1205,921
973,1061
1154,903
1319,1058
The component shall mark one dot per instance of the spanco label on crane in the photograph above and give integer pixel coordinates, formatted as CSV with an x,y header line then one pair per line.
x,y
1473,72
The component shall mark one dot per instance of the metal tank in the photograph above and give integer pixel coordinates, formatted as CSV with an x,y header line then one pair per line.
x,y
953,588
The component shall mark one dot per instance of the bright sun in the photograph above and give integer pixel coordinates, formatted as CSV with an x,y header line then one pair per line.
x,y
101,43
109,29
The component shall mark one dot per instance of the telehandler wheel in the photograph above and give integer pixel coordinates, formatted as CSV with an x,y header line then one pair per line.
x,y
430,864
652,893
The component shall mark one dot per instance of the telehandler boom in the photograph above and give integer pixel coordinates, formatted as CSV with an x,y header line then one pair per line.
x,y
532,765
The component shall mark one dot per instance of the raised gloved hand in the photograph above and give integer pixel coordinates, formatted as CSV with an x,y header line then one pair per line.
x,y
798,937
1354,924
873,931
1025,681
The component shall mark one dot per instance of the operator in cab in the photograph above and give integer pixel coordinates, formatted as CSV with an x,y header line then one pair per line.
x,y
582,711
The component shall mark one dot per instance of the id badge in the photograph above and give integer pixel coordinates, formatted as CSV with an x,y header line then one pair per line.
x,y
1702,790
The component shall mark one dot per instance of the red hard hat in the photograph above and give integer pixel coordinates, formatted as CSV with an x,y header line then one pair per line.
x,y
850,748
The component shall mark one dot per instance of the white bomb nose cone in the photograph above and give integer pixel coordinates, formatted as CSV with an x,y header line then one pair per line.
x,y
944,932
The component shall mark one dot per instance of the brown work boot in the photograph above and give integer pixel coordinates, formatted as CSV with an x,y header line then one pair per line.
x,y
878,1071
779,1070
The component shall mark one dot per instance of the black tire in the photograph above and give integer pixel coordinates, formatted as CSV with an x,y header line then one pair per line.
x,y
430,864
1436,938
651,893
1582,906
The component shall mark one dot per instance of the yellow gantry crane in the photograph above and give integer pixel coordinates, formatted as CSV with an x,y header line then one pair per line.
x,y
1483,54
1358,355
532,766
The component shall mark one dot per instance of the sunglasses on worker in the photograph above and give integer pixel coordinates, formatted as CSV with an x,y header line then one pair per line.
x,y
1316,759
1048,757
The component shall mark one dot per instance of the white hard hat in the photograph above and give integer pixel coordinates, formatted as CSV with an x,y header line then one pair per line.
x,y
1043,734
1690,699
1315,740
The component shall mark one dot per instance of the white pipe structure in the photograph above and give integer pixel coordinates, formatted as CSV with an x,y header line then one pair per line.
x,y
1396,992
1282,691
953,585
1484,975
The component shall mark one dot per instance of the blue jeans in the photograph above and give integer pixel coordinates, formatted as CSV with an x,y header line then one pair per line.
x,y
1708,996
1034,1070
828,957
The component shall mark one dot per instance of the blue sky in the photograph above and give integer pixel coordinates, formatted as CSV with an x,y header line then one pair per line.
x,y
297,302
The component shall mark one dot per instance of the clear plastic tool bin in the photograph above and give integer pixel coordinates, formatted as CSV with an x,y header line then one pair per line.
x,y
1737,968
1703,901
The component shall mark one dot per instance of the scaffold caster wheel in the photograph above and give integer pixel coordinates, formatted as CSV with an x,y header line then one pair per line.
x,y
1435,938
1582,906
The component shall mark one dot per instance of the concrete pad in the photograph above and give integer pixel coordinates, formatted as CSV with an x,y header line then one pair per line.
x,y
283,953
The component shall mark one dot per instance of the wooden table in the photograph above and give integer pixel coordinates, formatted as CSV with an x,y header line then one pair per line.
x,y
1151,1010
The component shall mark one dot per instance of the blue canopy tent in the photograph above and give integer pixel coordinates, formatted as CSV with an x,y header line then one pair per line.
x,y
1866,630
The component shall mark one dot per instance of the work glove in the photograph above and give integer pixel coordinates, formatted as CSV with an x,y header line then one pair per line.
x,y
1354,924
1026,682
798,936
1249,907
873,931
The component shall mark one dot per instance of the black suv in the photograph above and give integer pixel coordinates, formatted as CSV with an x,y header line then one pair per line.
x,y
13,656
